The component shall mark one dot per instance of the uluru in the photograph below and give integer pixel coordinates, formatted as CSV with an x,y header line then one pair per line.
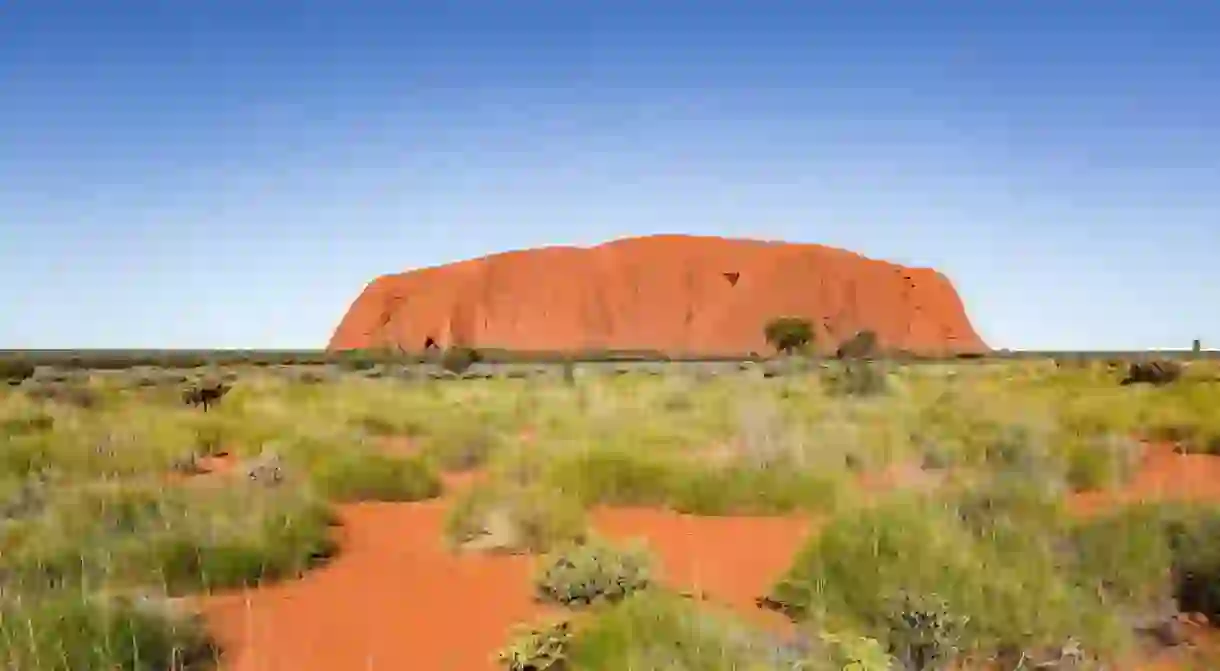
x,y
678,294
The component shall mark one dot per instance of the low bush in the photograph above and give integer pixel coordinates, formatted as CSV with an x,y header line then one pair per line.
x,y
585,574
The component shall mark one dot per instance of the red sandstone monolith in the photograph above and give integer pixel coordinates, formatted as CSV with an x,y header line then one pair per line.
x,y
683,295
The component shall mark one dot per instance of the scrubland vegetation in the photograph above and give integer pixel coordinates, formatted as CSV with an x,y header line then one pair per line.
x,y
941,498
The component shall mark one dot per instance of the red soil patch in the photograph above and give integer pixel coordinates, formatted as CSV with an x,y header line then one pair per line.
x,y
1164,475
673,293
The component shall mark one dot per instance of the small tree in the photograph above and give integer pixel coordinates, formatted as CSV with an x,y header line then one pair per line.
x,y
787,334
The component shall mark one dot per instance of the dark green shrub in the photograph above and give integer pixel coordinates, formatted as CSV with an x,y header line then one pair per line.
x,y
592,572
14,371
788,334
457,359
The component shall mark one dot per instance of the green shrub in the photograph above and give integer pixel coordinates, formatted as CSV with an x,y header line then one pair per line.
x,y
592,572
514,518
69,631
788,334
370,476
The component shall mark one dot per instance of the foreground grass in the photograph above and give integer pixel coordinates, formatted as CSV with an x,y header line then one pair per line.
x,y
88,514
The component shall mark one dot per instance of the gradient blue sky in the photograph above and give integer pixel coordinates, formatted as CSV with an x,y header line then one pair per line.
x,y
230,173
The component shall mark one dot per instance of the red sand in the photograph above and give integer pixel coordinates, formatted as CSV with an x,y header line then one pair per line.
x,y
675,293
396,598
732,560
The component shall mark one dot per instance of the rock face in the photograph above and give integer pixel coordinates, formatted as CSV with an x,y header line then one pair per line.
x,y
673,293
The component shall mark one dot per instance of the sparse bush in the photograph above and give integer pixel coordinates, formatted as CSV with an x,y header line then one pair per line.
x,y
592,572
856,378
863,345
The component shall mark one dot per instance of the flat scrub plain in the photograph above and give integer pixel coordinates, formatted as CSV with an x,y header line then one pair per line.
x,y
1014,515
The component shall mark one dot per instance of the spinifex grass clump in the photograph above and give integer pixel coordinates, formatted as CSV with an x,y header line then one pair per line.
x,y
180,539
511,517
1007,596
365,475
593,572
66,630
653,630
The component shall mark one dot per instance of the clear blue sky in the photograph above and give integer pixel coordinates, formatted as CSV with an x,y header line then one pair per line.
x,y
230,173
